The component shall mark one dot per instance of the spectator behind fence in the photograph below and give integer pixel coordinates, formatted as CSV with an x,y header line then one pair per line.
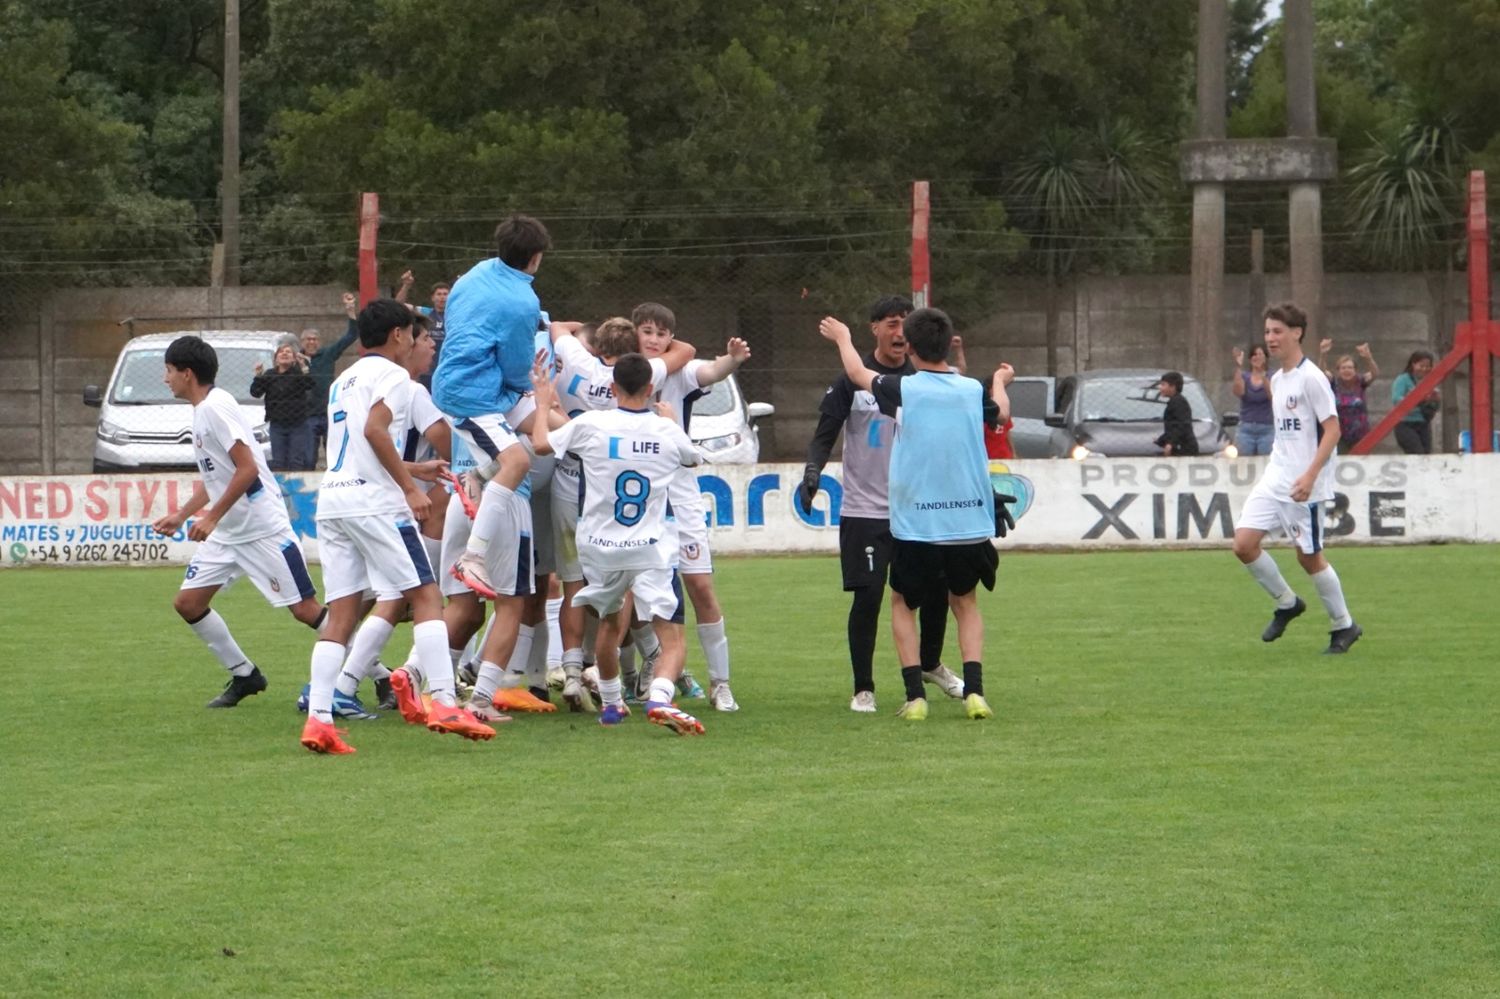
x,y
320,364
1414,432
1177,438
436,314
1349,386
286,388
1253,389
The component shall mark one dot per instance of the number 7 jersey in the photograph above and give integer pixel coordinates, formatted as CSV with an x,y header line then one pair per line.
x,y
630,459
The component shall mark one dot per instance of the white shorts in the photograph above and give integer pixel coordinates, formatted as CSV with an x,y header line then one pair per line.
x,y
484,437
658,594
274,564
1302,522
510,557
693,554
455,539
379,552
565,529
541,516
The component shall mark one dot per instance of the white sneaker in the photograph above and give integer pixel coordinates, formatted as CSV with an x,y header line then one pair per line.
x,y
469,570
945,678
576,697
556,677
722,698
864,702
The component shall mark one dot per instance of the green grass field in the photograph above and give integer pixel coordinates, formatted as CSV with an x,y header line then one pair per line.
x,y
1163,805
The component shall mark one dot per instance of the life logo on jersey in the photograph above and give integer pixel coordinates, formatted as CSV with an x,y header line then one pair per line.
x,y
1004,481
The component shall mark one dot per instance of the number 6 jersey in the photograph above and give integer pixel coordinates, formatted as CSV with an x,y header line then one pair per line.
x,y
630,459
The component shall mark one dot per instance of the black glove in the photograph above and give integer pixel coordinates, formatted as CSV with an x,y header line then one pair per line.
x,y
1004,522
808,490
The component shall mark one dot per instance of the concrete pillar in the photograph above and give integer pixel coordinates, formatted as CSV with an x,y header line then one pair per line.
x,y
1306,200
1204,339
46,359
1205,310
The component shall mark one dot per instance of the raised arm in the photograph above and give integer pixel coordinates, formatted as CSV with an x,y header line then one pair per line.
x,y
541,386
736,353
831,329
1372,370
1003,376
1237,380
1324,346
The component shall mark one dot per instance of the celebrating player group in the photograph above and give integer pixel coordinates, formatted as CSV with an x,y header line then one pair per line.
x,y
557,449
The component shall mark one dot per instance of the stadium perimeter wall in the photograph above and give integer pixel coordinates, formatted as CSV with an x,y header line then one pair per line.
x,y
70,338
1065,505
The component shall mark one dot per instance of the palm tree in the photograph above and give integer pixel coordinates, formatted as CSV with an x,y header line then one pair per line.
x,y
1402,198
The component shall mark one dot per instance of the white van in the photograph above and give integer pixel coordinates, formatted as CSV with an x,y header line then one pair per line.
x,y
143,429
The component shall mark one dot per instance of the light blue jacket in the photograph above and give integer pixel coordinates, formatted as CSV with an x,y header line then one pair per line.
x,y
491,324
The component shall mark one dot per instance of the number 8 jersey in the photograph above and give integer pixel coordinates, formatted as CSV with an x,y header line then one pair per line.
x,y
630,459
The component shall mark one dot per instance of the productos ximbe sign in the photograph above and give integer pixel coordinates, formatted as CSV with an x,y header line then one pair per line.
x,y
1062,504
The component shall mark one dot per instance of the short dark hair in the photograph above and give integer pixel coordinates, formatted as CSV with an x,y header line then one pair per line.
x,y
191,353
615,338
632,374
1288,315
891,305
654,312
930,333
1411,362
1174,379
377,319
518,239
439,287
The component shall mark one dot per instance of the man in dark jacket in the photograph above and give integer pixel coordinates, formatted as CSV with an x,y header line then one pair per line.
x,y
1177,436
320,361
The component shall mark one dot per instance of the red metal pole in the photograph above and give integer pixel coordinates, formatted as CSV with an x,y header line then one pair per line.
x,y
921,264
1479,315
369,229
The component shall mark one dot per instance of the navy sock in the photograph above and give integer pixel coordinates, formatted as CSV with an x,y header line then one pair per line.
x,y
912,677
973,679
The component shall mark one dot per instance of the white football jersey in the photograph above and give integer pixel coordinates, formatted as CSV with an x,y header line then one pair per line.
x,y
680,390
1301,399
356,484
218,424
424,413
585,384
630,460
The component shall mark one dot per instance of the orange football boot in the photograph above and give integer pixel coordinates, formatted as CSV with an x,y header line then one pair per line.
x,y
521,699
322,737
408,697
458,722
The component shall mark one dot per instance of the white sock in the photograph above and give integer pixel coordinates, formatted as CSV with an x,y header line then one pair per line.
x,y
430,639
627,660
536,664
494,504
379,671
414,670
572,662
327,657
554,632
215,634
369,639
1331,592
662,690
521,652
715,650
610,690
1269,577
487,682
645,640
434,547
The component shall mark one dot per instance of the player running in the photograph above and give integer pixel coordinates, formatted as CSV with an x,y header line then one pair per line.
x,y
368,510
245,531
630,457
654,325
1297,481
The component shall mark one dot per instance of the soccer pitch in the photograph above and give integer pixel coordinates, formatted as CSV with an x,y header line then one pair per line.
x,y
1162,805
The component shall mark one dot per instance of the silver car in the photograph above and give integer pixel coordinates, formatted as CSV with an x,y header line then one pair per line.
x,y
1118,414
722,426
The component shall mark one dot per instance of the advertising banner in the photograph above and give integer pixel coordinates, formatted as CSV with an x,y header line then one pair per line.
x,y
1061,504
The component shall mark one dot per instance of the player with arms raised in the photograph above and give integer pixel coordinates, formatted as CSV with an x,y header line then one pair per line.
x,y
245,530
368,510
1297,481
630,458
